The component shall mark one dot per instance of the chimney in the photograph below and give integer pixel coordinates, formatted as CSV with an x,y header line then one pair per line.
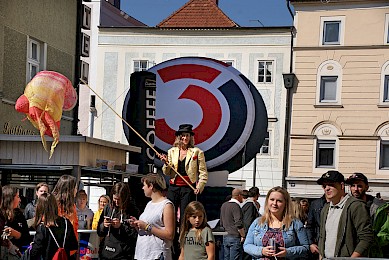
x,y
216,2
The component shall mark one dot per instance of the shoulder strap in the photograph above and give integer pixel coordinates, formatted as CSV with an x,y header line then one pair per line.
x,y
64,239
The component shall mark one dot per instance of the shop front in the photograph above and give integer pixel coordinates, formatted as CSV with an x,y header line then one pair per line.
x,y
24,162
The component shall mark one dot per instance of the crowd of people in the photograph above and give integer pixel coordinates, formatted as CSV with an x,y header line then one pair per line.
x,y
339,224
173,225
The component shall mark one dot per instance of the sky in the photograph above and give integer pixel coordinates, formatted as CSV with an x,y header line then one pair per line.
x,y
246,13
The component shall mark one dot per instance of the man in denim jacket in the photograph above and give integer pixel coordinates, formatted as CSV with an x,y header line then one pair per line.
x,y
345,229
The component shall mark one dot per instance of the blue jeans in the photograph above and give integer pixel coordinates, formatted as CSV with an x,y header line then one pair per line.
x,y
232,248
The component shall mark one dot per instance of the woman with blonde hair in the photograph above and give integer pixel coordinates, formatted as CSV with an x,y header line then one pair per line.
x,y
189,161
298,211
103,200
277,234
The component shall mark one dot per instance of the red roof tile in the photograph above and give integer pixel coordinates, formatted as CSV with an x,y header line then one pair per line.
x,y
198,14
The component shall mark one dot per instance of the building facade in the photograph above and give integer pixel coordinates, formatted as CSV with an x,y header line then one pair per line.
x,y
95,13
340,111
123,51
34,37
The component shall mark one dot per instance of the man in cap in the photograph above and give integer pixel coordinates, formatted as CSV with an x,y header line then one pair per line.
x,y
345,229
359,185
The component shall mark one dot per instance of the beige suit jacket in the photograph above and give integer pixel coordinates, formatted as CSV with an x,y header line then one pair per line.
x,y
194,166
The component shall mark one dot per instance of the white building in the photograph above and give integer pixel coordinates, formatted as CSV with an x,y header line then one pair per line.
x,y
262,54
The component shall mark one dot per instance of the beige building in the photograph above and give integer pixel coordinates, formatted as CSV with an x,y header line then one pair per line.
x,y
340,111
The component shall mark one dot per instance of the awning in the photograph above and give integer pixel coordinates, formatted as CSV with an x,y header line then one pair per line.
x,y
30,167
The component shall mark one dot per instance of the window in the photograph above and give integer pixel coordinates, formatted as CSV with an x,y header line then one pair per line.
x,y
331,33
329,84
265,69
386,35
386,89
35,58
325,153
384,155
141,65
382,158
328,88
332,30
265,149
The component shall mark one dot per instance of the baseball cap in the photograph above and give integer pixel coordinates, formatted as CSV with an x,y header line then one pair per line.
x,y
331,176
357,177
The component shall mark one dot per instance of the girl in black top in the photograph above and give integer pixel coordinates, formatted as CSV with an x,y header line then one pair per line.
x,y
47,217
16,224
119,238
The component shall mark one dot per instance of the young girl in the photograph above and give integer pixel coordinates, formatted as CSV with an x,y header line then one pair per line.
x,y
65,192
196,238
46,220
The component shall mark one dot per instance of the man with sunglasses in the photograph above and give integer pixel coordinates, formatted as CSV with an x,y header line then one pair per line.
x,y
345,229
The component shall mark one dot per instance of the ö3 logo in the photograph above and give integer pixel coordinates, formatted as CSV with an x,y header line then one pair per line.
x,y
226,110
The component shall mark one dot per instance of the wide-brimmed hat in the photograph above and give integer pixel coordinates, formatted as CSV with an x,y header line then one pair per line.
x,y
357,177
185,128
331,176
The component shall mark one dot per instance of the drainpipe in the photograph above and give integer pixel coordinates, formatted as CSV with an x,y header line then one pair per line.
x,y
288,110
77,66
93,114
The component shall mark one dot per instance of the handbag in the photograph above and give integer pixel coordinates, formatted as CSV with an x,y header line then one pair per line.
x,y
111,247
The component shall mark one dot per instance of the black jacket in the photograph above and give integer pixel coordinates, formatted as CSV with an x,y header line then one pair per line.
x,y
313,221
19,223
125,236
250,214
44,245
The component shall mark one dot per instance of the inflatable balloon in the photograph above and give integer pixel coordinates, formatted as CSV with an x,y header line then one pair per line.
x,y
44,98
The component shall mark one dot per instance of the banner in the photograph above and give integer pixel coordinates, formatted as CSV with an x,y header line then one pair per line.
x,y
139,112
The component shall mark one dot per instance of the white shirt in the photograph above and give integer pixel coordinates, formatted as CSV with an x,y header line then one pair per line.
x,y
332,225
148,246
